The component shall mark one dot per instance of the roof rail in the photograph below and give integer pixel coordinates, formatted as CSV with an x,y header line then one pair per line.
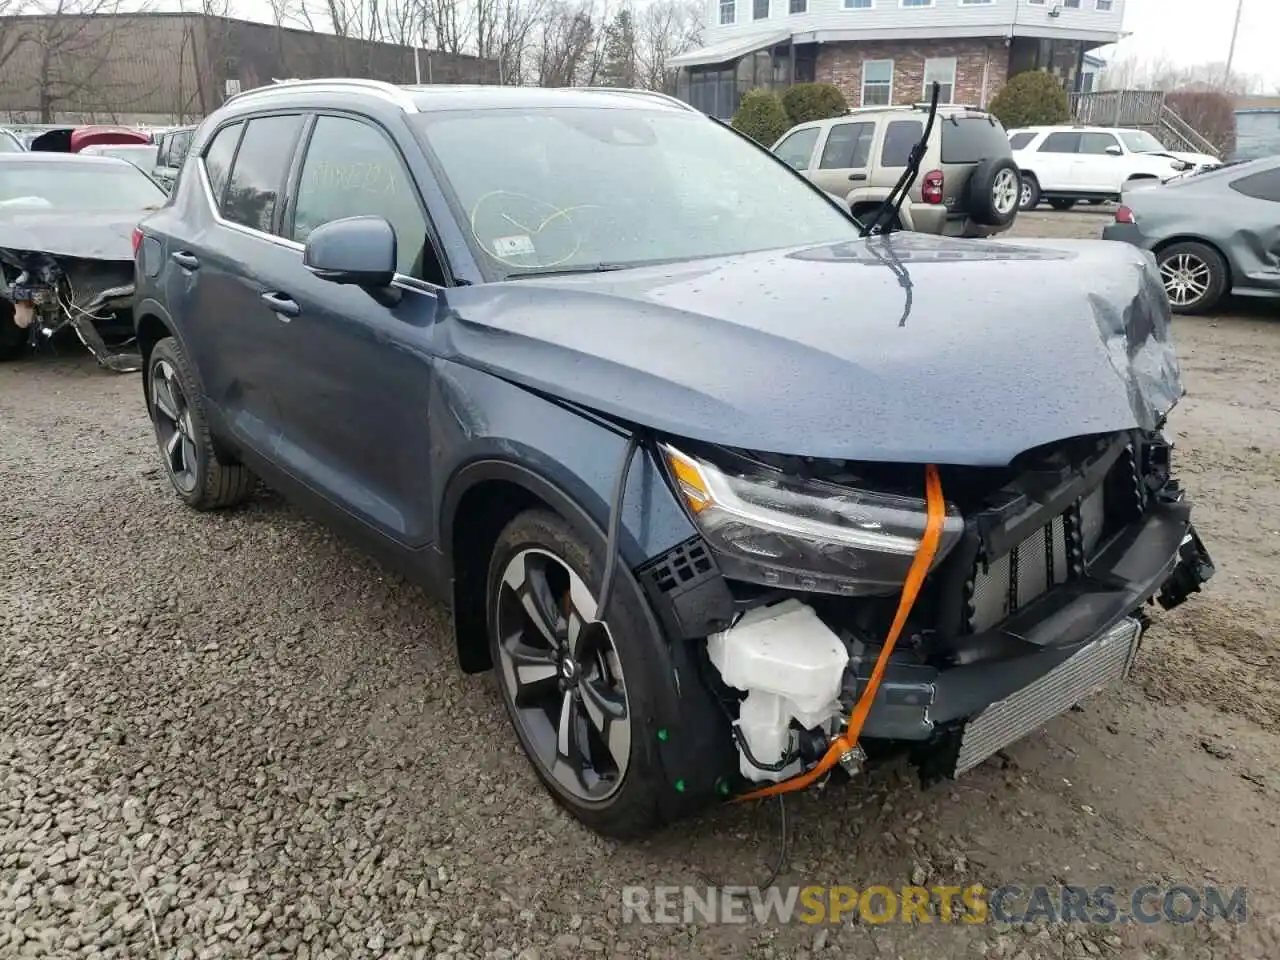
x,y
653,94
388,91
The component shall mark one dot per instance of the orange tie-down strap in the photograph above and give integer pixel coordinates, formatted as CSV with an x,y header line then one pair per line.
x,y
937,512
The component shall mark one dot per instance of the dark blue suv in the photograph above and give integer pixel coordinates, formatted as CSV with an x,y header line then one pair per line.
x,y
731,497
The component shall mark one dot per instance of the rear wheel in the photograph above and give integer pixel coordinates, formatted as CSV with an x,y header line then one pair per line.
x,y
577,689
1029,197
201,480
992,197
1195,276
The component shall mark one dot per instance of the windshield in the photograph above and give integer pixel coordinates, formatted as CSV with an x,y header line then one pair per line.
x,y
566,189
9,143
78,186
1139,141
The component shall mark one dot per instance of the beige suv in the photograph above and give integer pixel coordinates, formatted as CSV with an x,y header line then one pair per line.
x,y
968,184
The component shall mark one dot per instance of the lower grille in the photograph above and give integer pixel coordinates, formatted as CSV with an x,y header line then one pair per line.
x,y
1103,663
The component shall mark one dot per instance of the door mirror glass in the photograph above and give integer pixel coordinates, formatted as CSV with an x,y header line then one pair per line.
x,y
355,250
1114,151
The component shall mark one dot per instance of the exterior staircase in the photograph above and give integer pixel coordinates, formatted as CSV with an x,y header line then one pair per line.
x,y
1144,109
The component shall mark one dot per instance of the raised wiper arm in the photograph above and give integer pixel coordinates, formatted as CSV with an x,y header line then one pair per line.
x,y
893,203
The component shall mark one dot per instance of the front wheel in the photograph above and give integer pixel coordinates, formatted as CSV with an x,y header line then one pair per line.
x,y
1194,275
201,480
575,687
1062,204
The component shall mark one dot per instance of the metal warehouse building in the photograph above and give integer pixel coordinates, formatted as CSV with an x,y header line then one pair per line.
x,y
170,68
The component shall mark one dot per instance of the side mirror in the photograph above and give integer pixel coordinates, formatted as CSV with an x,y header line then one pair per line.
x,y
353,250
1114,151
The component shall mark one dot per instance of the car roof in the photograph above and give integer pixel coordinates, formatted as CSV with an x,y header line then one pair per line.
x,y
432,97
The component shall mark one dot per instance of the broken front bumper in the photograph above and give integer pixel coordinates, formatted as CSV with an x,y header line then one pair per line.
x,y
1073,642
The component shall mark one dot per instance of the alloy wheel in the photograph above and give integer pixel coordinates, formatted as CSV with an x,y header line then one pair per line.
x,y
175,432
1024,194
1006,192
1186,279
563,676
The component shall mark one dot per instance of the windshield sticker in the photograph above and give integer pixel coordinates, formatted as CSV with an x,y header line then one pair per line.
x,y
515,246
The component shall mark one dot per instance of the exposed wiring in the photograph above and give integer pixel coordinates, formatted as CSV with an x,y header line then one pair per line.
x,y
779,864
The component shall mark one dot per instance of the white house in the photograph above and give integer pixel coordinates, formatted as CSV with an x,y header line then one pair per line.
x,y
886,51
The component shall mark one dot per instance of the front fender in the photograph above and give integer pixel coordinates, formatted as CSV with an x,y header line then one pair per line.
x,y
486,428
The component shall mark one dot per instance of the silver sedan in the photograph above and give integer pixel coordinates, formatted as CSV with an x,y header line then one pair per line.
x,y
1213,233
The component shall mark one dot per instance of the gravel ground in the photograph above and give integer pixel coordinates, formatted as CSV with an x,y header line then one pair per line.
x,y
233,736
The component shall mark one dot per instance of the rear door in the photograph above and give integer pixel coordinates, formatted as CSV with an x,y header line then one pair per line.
x,y
236,275
357,393
1054,161
845,161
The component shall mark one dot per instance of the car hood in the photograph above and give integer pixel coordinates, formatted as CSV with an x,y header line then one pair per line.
x,y
67,233
906,348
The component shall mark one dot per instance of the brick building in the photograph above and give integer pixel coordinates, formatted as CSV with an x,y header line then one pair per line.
x,y
164,68
886,51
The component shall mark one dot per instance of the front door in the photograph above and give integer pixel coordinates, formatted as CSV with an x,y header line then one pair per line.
x,y
357,393
1097,171
228,263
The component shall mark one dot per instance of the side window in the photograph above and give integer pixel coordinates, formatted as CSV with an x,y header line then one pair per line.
x,y
1019,140
351,169
1095,143
899,138
1061,143
262,162
162,149
796,149
848,145
179,144
1260,186
217,158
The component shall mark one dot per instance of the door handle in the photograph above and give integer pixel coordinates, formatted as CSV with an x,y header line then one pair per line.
x,y
282,304
186,261
857,176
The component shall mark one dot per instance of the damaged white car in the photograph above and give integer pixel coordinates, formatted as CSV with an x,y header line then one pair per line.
x,y
66,252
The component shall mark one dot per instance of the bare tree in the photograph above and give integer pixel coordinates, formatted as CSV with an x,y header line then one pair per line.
x,y
1162,73
70,45
665,29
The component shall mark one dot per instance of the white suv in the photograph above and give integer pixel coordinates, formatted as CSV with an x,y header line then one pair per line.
x,y
1067,164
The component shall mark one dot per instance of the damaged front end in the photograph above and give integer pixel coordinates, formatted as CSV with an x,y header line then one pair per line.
x,y
94,298
1036,597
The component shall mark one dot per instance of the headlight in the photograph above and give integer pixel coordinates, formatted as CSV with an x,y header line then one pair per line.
x,y
770,528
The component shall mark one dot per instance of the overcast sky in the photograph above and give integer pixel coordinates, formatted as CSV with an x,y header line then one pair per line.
x,y
1199,31
1184,31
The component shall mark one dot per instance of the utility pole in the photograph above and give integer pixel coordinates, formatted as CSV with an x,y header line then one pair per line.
x,y
1231,52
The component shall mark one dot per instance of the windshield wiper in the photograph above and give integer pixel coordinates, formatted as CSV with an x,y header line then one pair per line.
x,y
561,271
888,210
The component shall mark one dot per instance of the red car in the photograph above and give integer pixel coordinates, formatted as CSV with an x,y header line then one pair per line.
x,y
75,139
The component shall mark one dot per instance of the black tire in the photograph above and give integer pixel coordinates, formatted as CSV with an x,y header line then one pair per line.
x,y
1187,266
1030,196
205,481
13,339
1062,203
992,196
631,809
